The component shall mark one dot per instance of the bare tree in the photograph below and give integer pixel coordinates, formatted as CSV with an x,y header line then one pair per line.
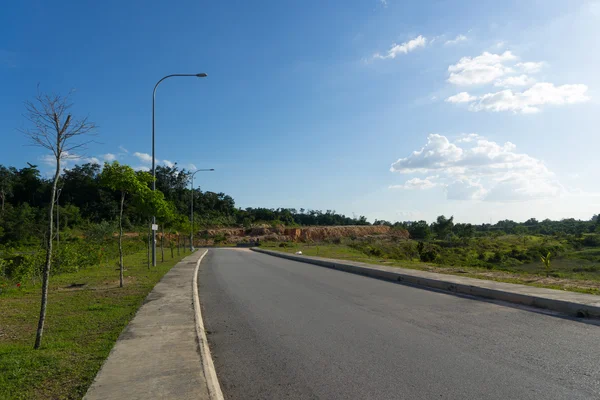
x,y
53,128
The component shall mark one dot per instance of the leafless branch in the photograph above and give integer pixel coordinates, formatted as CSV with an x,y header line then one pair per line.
x,y
52,125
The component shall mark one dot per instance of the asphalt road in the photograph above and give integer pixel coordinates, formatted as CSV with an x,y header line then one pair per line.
x,y
280,329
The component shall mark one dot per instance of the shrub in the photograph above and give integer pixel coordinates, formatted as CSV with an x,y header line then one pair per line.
x,y
591,241
428,255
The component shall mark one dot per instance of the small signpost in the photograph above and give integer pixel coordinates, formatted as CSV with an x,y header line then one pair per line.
x,y
154,227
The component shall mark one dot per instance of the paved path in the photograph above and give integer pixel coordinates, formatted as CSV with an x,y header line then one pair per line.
x,y
156,356
280,329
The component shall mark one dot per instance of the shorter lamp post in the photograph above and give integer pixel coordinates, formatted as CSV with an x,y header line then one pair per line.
x,y
192,206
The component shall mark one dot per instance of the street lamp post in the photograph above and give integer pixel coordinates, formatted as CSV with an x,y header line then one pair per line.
x,y
192,206
200,75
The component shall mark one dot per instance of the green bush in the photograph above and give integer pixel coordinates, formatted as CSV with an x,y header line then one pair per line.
x,y
591,241
22,264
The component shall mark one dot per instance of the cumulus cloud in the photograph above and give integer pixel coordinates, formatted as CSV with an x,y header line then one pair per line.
x,y
142,168
512,81
109,157
404,48
168,163
530,67
191,167
503,71
144,157
437,154
482,69
475,168
462,97
417,183
458,39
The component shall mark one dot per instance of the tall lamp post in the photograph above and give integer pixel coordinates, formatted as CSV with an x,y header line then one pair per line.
x,y
192,205
200,75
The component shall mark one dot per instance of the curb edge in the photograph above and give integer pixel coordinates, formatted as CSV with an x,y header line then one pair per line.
x,y
208,367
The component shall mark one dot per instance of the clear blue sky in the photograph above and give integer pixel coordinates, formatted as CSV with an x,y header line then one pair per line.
x,y
356,106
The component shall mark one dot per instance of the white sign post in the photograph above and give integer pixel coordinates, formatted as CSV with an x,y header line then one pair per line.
x,y
154,227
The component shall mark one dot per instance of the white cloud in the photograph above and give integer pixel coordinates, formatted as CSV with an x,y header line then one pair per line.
x,y
481,69
404,48
512,81
384,3
465,189
48,159
530,67
144,157
109,157
458,39
417,183
475,168
168,163
436,154
142,168
468,137
462,97
530,100
67,160
500,44
123,149
191,167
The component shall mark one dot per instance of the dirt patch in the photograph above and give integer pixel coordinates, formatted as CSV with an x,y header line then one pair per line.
x,y
282,234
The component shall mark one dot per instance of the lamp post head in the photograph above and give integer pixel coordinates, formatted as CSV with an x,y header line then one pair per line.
x,y
201,75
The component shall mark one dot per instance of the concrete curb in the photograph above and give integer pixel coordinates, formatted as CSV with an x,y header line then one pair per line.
x,y
210,373
570,303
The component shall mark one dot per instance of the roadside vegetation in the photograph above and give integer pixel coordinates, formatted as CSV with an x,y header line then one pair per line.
x,y
87,310
521,255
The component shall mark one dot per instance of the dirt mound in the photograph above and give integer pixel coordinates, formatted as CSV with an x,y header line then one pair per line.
x,y
319,233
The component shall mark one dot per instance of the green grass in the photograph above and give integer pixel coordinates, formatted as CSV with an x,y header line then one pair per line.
x,y
82,325
571,272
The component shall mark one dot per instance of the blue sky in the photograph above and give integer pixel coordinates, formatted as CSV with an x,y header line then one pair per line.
x,y
484,110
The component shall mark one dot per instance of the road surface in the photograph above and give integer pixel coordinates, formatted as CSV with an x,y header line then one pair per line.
x,y
281,329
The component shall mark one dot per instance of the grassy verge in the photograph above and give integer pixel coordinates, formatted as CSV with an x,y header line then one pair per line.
x,y
564,276
86,313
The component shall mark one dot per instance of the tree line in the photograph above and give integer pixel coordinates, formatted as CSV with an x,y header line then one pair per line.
x,y
83,200
443,227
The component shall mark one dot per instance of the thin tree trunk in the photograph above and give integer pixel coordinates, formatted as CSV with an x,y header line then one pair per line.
x,y
46,271
162,241
120,240
171,246
178,245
